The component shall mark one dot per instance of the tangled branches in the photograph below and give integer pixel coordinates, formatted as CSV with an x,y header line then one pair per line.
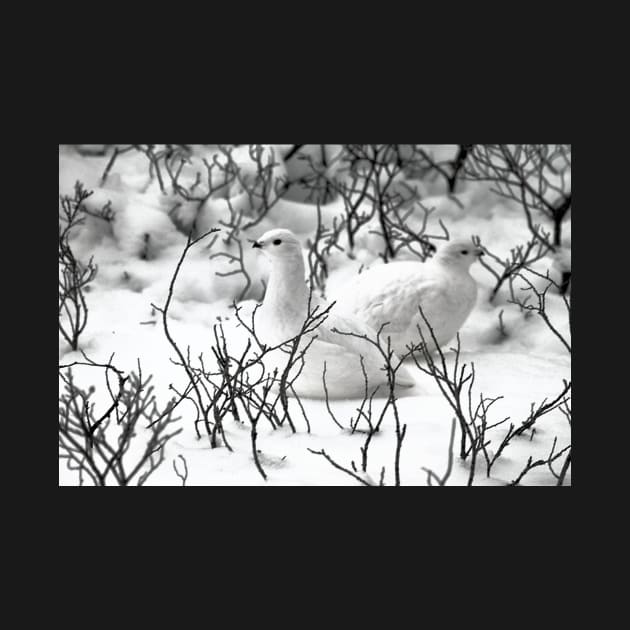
x,y
378,203
391,366
325,240
473,419
540,305
521,258
242,385
107,447
450,170
536,176
74,276
376,193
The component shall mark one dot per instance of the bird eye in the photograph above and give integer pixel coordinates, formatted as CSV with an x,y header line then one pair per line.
x,y
464,251
277,241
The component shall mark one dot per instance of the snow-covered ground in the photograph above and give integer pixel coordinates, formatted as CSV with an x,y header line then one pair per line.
x,y
524,363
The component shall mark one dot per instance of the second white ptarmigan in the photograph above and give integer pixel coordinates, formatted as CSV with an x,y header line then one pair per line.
x,y
391,294
282,315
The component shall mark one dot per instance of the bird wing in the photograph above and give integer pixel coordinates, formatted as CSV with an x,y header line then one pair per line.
x,y
373,358
347,358
355,344
349,335
397,304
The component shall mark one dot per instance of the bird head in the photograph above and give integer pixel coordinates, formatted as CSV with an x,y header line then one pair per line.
x,y
460,253
279,244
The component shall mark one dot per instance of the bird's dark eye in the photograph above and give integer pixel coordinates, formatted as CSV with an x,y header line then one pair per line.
x,y
277,241
464,251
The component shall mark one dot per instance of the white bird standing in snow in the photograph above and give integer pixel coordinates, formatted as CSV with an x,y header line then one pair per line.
x,y
283,314
391,293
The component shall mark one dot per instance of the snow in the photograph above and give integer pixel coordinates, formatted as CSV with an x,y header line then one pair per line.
x,y
522,361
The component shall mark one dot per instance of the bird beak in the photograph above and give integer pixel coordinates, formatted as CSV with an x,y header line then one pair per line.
x,y
257,245
479,252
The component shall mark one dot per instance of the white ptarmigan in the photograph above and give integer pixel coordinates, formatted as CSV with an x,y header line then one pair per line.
x,y
391,293
282,316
